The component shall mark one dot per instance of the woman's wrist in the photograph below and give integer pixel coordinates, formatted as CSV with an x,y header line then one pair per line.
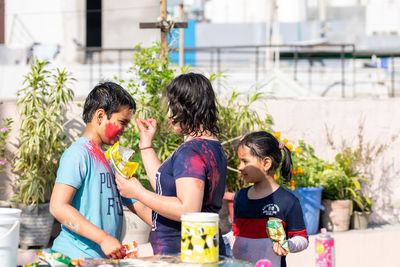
x,y
145,147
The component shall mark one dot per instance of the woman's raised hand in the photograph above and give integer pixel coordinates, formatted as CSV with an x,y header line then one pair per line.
x,y
147,129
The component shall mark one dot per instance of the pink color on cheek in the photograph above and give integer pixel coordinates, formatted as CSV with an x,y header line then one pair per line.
x,y
170,122
112,130
177,129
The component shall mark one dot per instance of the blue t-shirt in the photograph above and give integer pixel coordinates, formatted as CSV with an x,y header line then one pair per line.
x,y
250,220
84,167
199,158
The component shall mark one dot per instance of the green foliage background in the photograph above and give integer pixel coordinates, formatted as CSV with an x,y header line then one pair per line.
x,y
5,129
41,103
153,73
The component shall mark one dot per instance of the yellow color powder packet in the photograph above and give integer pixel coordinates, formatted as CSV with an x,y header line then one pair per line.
x,y
120,158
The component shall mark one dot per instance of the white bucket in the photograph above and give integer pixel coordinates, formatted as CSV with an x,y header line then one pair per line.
x,y
200,237
9,236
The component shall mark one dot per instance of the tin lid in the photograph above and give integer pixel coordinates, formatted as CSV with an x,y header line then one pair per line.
x,y
200,217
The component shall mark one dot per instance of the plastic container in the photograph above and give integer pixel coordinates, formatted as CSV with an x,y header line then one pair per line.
x,y
310,201
324,250
263,263
200,237
9,235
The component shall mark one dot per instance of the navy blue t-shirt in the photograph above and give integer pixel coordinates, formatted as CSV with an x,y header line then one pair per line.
x,y
250,220
198,158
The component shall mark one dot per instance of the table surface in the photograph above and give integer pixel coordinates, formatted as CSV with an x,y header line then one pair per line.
x,y
162,260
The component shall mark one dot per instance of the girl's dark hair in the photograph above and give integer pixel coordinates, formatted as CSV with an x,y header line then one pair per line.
x,y
263,144
191,100
108,96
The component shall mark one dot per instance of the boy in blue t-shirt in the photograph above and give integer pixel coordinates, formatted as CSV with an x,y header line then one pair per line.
x,y
85,199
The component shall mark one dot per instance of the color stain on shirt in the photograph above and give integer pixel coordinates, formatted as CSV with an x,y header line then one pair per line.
x,y
98,155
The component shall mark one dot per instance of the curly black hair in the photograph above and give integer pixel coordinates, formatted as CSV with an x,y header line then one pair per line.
x,y
192,102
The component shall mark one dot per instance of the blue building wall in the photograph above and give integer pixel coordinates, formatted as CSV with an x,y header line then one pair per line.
x,y
189,41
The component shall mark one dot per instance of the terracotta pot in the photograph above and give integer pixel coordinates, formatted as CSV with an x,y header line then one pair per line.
x,y
336,216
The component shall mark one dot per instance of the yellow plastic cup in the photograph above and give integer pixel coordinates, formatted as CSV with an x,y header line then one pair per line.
x,y
200,237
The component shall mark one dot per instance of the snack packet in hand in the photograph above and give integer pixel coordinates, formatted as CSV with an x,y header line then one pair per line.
x,y
276,232
120,158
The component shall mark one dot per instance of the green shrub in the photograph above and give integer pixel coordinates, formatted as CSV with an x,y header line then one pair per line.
x,y
41,103
150,74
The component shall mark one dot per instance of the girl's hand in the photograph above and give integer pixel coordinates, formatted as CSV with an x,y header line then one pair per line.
x,y
147,129
112,247
128,188
278,249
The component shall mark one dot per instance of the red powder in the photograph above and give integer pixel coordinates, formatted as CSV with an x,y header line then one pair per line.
x,y
98,155
112,130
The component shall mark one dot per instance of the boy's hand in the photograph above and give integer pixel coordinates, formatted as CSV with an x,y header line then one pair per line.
x,y
279,250
128,188
112,247
147,129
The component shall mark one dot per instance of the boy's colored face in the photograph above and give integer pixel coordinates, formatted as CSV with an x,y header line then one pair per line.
x,y
114,127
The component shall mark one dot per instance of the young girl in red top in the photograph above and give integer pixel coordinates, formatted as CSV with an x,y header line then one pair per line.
x,y
260,156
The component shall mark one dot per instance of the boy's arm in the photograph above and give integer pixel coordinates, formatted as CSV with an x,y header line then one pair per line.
x,y
71,218
142,211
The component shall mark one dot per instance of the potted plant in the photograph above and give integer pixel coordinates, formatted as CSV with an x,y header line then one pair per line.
x,y
357,160
237,119
42,104
306,181
361,212
342,188
5,129
350,161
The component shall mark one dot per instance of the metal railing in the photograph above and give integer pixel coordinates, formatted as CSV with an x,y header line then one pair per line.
x,y
263,58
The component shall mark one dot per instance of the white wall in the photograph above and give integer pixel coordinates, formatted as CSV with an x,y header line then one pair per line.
x,y
383,17
244,11
52,22
307,118
121,23
237,11
48,22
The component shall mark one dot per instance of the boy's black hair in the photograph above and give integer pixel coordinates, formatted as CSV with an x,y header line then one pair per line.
x,y
263,144
191,100
108,96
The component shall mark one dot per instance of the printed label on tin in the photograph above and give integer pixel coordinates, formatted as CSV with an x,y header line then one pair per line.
x,y
199,243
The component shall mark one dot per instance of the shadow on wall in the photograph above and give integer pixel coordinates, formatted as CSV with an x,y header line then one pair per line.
x,y
383,192
74,125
